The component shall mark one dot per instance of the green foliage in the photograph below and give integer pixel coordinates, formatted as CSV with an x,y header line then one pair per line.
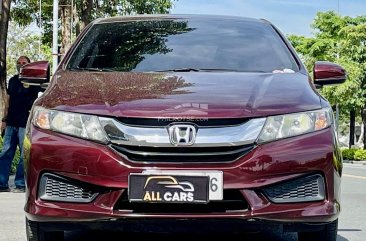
x,y
339,39
15,162
360,155
354,154
151,6
349,95
26,11
349,154
22,42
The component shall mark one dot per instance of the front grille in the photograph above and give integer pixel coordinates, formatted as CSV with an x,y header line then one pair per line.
x,y
183,154
232,201
56,188
303,189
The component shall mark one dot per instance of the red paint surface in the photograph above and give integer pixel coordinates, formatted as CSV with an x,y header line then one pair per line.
x,y
266,164
153,95
328,70
38,69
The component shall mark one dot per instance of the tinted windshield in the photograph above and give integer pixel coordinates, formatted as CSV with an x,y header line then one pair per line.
x,y
171,44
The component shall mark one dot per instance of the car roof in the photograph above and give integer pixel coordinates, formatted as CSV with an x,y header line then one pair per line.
x,y
149,17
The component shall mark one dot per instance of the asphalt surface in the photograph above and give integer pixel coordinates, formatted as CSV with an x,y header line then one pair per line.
x,y
352,222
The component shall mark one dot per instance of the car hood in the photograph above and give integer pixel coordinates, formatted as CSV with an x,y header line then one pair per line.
x,y
191,94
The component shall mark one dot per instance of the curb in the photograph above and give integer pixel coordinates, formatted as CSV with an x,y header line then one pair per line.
x,y
354,162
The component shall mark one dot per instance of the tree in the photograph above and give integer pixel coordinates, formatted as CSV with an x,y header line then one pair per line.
x,y
66,28
339,39
4,21
81,13
21,41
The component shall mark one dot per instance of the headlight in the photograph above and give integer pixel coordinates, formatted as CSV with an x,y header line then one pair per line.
x,y
283,126
79,125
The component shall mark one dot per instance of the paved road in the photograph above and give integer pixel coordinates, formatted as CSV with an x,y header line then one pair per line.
x,y
352,222
352,226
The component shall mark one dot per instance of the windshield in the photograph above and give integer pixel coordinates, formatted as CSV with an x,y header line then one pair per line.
x,y
182,44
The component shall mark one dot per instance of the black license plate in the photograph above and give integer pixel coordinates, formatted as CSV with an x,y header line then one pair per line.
x,y
168,189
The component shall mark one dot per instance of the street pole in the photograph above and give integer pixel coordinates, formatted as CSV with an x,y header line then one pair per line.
x,y
54,36
364,127
40,26
337,119
352,128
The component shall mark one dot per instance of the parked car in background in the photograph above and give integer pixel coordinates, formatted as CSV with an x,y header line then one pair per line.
x,y
163,122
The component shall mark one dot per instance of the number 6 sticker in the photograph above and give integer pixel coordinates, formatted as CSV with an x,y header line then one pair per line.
x,y
213,184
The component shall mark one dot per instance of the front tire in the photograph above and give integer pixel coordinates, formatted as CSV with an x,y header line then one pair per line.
x,y
35,233
329,233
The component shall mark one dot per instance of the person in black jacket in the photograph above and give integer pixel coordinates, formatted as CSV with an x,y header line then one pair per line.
x,y
19,102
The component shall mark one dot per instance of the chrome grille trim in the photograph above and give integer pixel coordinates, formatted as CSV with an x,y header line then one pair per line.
x,y
243,134
56,188
182,154
304,189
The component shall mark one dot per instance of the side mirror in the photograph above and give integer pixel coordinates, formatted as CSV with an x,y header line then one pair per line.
x,y
36,73
327,73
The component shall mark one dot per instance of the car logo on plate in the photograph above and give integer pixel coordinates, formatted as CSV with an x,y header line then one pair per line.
x,y
182,135
171,182
176,191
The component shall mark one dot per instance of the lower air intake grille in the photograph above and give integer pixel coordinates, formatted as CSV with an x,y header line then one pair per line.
x,y
233,201
56,188
303,189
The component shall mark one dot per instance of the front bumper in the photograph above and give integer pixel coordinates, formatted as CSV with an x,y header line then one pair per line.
x,y
100,166
168,226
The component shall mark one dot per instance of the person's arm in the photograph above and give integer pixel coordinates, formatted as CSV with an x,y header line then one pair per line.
x,y
6,104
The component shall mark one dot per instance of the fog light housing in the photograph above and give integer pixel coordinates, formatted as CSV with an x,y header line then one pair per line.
x,y
60,189
304,189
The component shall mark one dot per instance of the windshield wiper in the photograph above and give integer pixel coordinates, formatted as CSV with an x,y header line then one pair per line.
x,y
92,69
197,70
179,70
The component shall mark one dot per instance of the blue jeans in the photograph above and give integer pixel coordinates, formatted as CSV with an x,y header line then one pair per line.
x,y
13,137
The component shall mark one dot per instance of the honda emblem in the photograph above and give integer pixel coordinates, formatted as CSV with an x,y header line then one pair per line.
x,y
182,135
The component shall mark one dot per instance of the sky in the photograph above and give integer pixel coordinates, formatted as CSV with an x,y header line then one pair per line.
x,y
290,16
